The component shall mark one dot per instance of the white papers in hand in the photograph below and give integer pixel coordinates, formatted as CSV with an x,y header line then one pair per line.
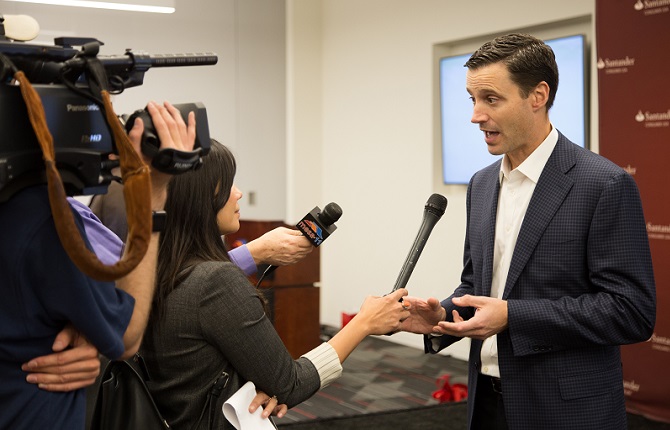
x,y
236,410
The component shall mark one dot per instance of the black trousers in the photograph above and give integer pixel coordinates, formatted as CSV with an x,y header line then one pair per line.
x,y
489,411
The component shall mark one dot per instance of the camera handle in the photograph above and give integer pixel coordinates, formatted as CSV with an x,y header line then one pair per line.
x,y
174,161
169,160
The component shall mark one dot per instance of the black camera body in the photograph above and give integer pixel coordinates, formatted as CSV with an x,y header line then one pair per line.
x,y
82,142
81,136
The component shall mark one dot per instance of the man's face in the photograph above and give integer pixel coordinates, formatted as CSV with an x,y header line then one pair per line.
x,y
506,118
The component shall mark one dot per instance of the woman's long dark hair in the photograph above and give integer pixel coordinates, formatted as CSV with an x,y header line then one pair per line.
x,y
191,235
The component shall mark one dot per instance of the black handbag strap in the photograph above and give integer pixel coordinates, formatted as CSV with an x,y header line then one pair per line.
x,y
209,408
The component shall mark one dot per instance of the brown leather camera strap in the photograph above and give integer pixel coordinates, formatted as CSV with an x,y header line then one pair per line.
x,y
137,193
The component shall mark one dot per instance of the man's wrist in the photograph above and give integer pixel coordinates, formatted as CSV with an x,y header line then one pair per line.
x,y
256,249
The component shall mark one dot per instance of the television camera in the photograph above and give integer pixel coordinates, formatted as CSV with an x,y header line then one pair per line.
x,y
66,82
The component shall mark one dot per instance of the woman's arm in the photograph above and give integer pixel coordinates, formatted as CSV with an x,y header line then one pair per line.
x,y
233,319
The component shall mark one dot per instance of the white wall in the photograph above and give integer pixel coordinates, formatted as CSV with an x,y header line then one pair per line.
x,y
304,107
378,133
340,91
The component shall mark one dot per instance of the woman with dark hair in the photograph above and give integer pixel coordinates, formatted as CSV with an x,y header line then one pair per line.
x,y
208,320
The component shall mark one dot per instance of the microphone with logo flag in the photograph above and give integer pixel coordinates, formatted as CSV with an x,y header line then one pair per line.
x,y
316,226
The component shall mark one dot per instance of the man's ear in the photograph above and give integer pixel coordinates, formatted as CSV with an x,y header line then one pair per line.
x,y
540,95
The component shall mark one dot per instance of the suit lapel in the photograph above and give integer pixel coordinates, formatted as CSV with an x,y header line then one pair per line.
x,y
550,192
488,231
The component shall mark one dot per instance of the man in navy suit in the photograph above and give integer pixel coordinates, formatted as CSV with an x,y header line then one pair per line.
x,y
557,268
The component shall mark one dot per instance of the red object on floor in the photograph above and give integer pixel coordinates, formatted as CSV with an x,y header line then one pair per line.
x,y
447,392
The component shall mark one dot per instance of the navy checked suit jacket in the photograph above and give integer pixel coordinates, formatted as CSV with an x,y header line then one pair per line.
x,y
580,284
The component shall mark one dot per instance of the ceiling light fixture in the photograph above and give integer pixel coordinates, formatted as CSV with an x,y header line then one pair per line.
x,y
156,6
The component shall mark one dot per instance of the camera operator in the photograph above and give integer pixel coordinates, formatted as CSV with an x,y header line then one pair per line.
x,y
43,292
75,362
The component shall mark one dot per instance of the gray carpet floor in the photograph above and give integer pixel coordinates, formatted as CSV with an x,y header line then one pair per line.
x,y
380,376
389,386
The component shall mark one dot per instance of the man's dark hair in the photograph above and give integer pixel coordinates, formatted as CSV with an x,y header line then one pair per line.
x,y
528,59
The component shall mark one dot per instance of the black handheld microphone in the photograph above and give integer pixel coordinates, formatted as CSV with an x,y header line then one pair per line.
x,y
433,211
316,226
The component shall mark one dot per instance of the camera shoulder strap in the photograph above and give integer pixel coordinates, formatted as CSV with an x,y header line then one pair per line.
x,y
137,192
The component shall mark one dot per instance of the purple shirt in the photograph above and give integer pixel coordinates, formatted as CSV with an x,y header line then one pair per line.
x,y
106,245
241,257
109,247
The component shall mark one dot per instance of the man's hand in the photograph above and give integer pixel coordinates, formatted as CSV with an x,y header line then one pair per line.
x,y
68,368
280,247
172,132
490,318
423,315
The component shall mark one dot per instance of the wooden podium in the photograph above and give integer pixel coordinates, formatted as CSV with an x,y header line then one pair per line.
x,y
293,298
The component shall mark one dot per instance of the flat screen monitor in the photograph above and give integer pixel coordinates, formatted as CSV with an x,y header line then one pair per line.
x,y
463,149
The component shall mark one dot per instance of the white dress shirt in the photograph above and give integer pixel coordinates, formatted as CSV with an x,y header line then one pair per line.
x,y
516,189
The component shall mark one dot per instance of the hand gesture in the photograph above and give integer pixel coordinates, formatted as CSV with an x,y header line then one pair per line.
x,y
490,318
423,315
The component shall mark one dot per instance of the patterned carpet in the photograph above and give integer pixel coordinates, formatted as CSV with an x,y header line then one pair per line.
x,y
389,386
380,376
